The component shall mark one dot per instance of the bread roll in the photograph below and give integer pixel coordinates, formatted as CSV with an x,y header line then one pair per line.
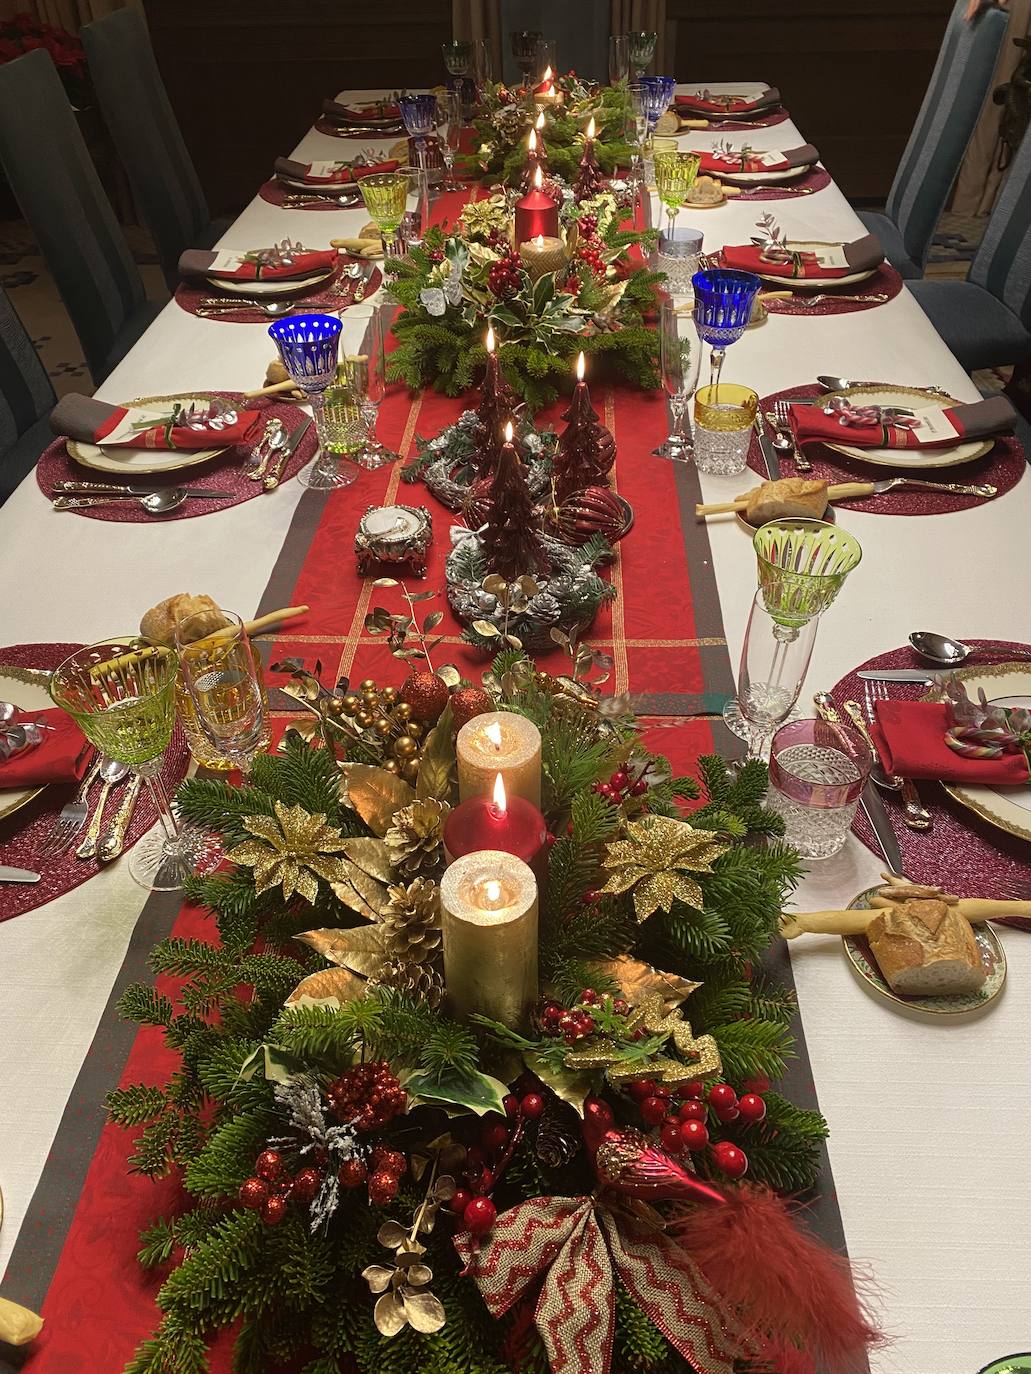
x,y
925,947
704,191
158,625
787,497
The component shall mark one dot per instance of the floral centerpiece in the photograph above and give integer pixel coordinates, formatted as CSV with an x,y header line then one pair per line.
x,y
455,284
371,1185
22,33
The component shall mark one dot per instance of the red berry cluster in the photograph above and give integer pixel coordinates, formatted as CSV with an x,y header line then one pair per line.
x,y
367,1096
436,255
499,241
576,1022
621,785
683,1123
588,245
273,1185
572,284
505,276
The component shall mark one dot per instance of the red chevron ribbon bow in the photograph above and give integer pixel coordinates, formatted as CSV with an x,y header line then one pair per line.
x,y
579,1245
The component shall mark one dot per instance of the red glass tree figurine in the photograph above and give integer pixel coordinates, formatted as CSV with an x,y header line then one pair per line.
x,y
511,544
495,409
589,180
586,449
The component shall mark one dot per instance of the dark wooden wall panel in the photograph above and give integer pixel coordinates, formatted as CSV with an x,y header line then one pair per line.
x,y
852,72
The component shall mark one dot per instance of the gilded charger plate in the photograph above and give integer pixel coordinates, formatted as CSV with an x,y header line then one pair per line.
x,y
290,287
948,457
993,960
29,696
1007,808
130,461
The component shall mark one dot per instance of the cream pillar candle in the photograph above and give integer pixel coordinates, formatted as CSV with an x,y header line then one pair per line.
x,y
499,742
489,923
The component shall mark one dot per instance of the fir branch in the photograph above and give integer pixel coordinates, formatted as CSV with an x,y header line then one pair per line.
x,y
751,1048
145,1006
156,1244
134,1105
228,1157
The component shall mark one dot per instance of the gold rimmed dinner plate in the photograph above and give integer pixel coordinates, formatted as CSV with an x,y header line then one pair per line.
x,y
130,461
818,283
280,286
1007,808
993,960
326,188
28,696
771,178
946,457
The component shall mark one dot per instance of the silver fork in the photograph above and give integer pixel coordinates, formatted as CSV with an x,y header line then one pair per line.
x,y
800,298
916,815
72,817
957,488
783,419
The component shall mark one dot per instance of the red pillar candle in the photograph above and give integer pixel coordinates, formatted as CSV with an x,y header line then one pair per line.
x,y
511,824
535,214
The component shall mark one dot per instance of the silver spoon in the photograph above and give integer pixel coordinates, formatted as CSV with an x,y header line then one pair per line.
x,y
112,772
950,653
830,383
154,502
273,309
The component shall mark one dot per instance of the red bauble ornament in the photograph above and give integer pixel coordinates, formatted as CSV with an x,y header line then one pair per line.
x,y
273,1210
692,1111
671,1139
367,1096
594,510
469,702
532,1106
389,1161
426,694
383,1187
722,1096
253,1192
751,1107
307,1184
694,1134
479,1216
653,1109
729,1159
269,1165
353,1172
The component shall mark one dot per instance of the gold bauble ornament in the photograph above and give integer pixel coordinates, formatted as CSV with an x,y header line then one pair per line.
x,y
405,747
364,718
416,730
390,766
350,704
383,727
403,711
410,771
389,695
369,685
336,707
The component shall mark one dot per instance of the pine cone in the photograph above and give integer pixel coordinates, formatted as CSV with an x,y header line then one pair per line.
x,y
411,922
424,981
558,1136
416,838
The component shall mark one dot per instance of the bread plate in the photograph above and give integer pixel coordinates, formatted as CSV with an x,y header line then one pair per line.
x,y
993,960
948,457
771,178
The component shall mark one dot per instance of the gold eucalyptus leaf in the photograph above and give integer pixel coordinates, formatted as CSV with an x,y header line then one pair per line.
x,y
375,794
389,1314
363,950
371,856
419,1275
425,1312
392,1235
495,584
437,761
449,674
485,628
306,727
377,1277
327,987
638,980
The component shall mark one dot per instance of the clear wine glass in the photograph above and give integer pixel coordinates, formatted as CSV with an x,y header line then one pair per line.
x,y
121,694
368,374
309,346
641,45
449,132
680,358
457,54
619,58
774,661
524,49
657,96
722,310
222,680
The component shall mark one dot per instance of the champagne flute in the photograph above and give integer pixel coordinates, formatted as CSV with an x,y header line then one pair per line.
x,y
680,358
369,378
121,694
221,677
449,132
483,66
774,661
619,58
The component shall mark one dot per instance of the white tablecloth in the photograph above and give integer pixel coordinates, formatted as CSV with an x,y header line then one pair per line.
x,y
928,1120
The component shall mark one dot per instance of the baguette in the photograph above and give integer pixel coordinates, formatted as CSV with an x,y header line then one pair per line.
x,y
924,947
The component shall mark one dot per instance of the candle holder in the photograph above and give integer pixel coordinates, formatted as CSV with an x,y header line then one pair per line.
x,y
393,534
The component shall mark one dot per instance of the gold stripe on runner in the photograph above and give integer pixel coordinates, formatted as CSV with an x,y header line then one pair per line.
x,y
354,637
595,642
621,675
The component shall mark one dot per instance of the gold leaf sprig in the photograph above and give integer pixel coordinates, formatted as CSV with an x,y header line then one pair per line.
x,y
654,861
405,1299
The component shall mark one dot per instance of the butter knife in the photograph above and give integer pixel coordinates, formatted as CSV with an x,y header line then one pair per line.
x,y
275,473
924,675
17,875
114,838
766,448
869,798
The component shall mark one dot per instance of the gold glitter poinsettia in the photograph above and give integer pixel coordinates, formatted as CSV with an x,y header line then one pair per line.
x,y
294,848
654,861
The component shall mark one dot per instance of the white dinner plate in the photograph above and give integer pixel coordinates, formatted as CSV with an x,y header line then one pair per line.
x,y
1007,808
772,178
912,397
332,188
289,286
130,461
818,283
29,696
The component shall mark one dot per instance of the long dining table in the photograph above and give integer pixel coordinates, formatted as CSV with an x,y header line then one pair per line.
x,y
928,1120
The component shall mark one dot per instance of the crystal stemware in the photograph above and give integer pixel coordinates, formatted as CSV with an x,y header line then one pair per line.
x,y
121,694
774,661
802,566
680,356
385,195
657,93
641,49
222,679
449,131
524,49
619,58
722,310
367,372
309,346
458,56
419,113
674,176
483,66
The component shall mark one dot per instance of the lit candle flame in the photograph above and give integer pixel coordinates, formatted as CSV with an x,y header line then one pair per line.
x,y
590,128
540,121
493,892
493,733
549,75
538,178
531,142
500,800
490,338
551,91
538,242
508,440
580,368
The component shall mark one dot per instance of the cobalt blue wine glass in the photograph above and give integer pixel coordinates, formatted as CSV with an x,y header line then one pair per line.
x,y
309,346
657,95
419,113
723,302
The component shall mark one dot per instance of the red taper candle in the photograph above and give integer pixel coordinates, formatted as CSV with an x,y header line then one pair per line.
x,y
536,213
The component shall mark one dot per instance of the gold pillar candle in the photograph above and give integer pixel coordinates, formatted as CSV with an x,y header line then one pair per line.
x,y
541,254
489,924
499,742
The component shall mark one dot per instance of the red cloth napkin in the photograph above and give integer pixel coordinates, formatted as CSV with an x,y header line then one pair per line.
x,y
343,176
727,105
200,262
714,165
981,419
60,756
910,738
862,255
94,422
363,114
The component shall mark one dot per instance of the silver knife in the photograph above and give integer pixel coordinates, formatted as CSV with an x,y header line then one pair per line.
x,y
924,675
273,477
766,448
17,875
869,798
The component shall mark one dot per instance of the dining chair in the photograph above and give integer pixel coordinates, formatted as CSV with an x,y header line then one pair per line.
x,y
26,400
146,133
943,128
986,318
56,185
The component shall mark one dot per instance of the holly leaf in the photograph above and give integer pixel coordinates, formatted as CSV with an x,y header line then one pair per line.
x,y
375,794
437,759
474,1092
277,1065
330,987
569,1085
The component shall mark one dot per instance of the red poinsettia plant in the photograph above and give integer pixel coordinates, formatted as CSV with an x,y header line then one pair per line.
x,y
23,33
